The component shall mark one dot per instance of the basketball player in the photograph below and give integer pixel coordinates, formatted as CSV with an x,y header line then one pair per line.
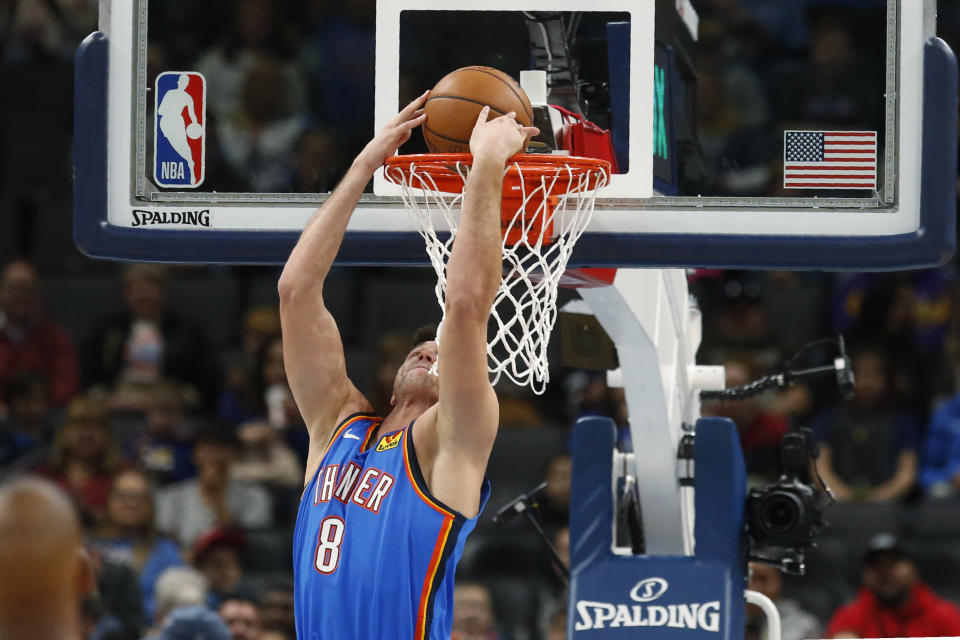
x,y
389,502
172,124
44,572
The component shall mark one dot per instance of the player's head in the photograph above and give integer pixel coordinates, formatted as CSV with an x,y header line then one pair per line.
x,y
45,571
414,380
183,81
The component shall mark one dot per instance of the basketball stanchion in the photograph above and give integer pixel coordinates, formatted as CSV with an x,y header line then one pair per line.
x,y
548,201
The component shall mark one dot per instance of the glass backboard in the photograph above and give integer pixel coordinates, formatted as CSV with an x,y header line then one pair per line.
x,y
833,157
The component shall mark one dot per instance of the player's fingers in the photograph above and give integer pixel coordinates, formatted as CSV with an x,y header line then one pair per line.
x,y
530,132
510,115
482,117
409,110
413,123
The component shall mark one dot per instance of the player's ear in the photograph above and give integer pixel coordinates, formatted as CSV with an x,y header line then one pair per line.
x,y
86,582
393,400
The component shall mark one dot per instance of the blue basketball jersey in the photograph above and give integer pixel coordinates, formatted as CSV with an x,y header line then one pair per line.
x,y
374,553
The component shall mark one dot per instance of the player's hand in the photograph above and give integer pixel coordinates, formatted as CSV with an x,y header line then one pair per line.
x,y
499,138
389,139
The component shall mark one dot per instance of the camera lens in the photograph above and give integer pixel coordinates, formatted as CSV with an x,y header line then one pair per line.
x,y
780,513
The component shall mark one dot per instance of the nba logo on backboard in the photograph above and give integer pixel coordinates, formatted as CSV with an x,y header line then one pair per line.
x,y
179,129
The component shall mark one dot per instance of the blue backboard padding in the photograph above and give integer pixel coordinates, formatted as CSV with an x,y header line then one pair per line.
x,y
721,491
932,244
712,578
591,502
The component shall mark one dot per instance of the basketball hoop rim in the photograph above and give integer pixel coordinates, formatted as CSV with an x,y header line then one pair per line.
x,y
565,170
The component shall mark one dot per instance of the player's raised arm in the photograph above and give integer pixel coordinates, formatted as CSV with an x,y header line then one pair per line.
x,y
312,349
468,413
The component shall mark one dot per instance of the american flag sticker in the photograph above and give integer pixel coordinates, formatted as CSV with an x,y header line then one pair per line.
x,y
830,160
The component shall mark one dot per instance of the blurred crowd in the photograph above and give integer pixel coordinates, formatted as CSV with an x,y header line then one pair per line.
x,y
156,397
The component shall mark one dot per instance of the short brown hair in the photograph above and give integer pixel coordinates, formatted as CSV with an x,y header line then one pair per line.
x,y
426,333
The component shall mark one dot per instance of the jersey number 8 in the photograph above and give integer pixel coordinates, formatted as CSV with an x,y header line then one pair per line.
x,y
328,544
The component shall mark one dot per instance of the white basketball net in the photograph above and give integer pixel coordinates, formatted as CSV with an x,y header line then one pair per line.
x,y
525,308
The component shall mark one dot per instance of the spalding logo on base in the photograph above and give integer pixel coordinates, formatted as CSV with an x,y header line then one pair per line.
x,y
591,615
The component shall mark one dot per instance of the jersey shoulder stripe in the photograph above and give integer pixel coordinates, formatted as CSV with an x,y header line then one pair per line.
x,y
345,424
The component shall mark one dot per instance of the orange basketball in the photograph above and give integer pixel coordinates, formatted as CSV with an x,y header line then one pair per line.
x,y
456,101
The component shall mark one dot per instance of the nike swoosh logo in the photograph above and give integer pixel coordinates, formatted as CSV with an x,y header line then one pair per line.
x,y
350,435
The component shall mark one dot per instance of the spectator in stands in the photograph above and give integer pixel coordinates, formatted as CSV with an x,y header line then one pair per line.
x,y
795,622
557,625
760,430
258,29
176,587
98,624
276,609
588,394
260,140
25,432
85,456
194,622
317,169
214,497
128,534
732,113
868,447
242,617
41,32
893,602
29,341
910,315
837,88
267,399
216,554
338,51
940,476
242,397
162,450
555,499
118,592
147,343
473,617
44,572
266,459
557,594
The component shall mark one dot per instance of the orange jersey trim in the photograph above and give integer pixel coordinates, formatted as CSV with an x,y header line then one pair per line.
x,y
427,592
370,431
